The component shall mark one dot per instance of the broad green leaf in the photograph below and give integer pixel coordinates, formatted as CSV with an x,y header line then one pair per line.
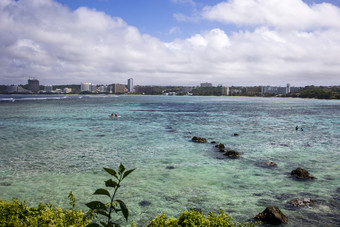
x,y
111,183
93,225
121,168
102,212
111,171
124,209
102,191
127,173
94,205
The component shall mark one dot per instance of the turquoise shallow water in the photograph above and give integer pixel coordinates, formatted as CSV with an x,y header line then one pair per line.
x,y
51,145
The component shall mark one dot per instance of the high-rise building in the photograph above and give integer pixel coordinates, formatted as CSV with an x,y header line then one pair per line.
x,y
288,89
225,90
130,85
85,87
33,85
93,88
118,88
206,84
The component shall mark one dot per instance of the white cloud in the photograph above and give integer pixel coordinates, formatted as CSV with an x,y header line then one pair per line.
x,y
287,14
46,40
174,30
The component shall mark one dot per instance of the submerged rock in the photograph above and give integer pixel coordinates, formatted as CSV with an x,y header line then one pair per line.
x,y
267,164
199,139
213,142
271,164
272,215
144,203
302,174
232,154
5,184
301,202
170,167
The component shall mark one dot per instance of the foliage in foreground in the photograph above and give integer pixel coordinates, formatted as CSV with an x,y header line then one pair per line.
x,y
19,214
15,213
195,218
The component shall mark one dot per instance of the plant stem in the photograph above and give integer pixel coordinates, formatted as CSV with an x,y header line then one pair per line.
x,y
112,199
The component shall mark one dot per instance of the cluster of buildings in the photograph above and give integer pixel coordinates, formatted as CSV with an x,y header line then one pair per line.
x,y
111,89
257,90
33,87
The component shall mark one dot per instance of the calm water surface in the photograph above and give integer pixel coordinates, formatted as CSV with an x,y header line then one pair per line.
x,y
51,145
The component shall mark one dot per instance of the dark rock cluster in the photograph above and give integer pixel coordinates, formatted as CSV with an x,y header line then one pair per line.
x,y
302,174
232,154
199,139
272,215
302,202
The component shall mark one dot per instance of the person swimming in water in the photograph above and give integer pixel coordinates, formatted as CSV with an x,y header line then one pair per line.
x,y
297,128
112,115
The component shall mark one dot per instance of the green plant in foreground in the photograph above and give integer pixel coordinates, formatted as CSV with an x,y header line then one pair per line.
x,y
115,205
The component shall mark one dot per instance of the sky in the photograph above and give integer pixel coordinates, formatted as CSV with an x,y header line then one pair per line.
x,y
171,42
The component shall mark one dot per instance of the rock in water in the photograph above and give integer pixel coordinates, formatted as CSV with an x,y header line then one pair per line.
x,y
199,139
221,145
232,154
302,174
301,202
266,164
272,215
271,164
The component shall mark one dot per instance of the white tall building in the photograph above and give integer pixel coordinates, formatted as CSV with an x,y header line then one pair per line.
x,y
225,90
48,88
93,88
85,87
130,85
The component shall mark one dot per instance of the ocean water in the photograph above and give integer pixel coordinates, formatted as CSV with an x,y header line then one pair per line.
x,y
51,145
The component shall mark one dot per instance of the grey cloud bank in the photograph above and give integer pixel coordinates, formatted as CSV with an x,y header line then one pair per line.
x,y
59,46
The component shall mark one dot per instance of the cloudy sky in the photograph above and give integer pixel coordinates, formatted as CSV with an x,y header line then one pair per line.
x,y
171,42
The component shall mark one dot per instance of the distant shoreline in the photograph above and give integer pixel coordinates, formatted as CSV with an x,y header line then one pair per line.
x,y
97,94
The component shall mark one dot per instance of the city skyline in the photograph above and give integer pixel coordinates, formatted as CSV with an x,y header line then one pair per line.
x,y
200,84
173,42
